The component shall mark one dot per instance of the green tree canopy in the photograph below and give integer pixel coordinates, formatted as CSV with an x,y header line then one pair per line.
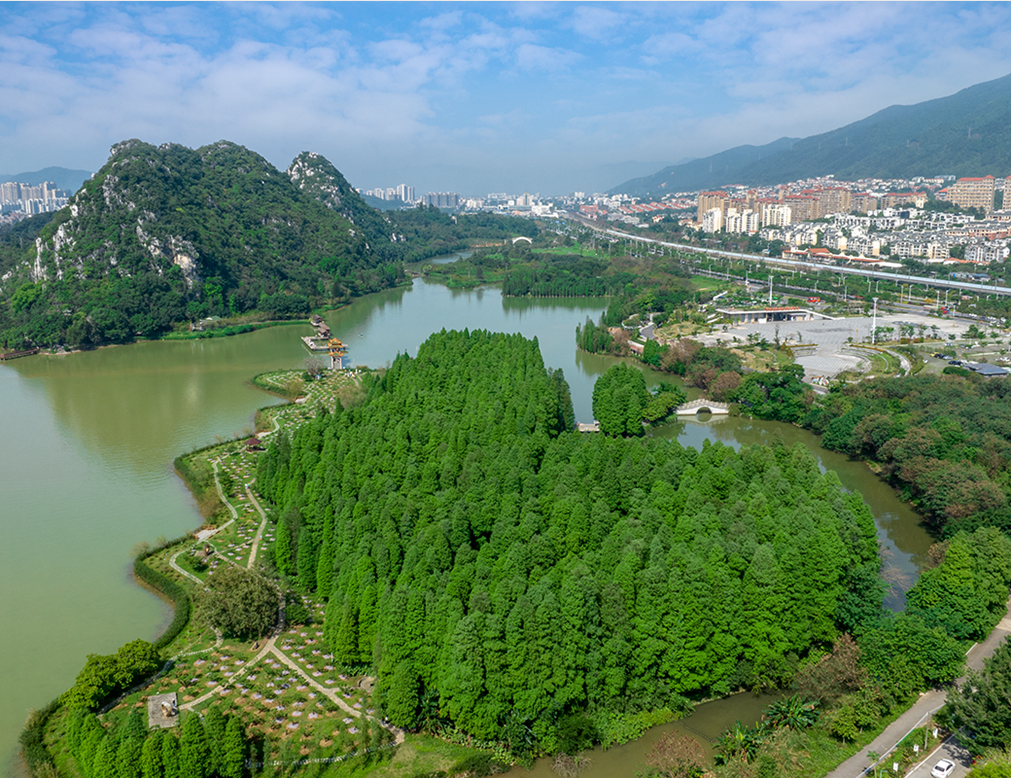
x,y
239,602
619,398
979,707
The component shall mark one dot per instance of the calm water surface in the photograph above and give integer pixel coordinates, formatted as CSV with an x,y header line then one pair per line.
x,y
89,439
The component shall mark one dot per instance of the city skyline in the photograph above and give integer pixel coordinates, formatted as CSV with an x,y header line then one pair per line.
x,y
473,97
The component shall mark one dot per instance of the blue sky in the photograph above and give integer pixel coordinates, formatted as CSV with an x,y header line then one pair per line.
x,y
473,97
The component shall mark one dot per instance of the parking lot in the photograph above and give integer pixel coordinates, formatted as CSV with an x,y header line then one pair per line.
x,y
832,338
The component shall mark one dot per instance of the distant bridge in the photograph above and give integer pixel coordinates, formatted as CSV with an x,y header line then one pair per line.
x,y
692,407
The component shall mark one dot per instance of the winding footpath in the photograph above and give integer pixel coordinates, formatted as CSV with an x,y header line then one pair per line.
x,y
221,494
202,536
259,532
929,702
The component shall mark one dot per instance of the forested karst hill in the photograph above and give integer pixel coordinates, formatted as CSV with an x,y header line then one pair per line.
x,y
503,572
315,176
965,134
162,234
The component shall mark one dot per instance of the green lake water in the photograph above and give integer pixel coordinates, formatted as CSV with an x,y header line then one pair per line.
x,y
89,439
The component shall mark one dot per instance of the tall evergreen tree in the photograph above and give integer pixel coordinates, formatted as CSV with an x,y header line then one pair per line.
x,y
214,728
104,764
233,752
307,558
170,756
128,757
283,551
151,755
402,696
194,754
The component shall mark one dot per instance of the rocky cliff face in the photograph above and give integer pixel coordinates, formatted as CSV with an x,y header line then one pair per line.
x,y
316,177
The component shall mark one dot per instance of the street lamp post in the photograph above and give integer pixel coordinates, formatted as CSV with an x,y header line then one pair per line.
x,y
874,323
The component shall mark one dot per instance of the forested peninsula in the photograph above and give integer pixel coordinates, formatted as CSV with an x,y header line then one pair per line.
x,y
509,579
164,236
515,586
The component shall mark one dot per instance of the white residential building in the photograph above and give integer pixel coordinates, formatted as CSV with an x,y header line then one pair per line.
x,y
985,253
776,215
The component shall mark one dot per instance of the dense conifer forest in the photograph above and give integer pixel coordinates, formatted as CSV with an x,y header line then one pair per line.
x,y
503,574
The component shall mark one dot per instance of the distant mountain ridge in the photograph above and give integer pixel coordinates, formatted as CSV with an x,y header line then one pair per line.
x,y
964,134
64,178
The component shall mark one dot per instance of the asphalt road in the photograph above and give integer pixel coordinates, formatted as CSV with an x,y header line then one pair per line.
x,y
857,766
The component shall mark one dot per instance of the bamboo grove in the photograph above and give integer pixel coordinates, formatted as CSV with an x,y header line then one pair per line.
x,y
501,572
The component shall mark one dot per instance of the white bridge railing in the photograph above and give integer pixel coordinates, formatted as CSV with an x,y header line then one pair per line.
x,y
692,407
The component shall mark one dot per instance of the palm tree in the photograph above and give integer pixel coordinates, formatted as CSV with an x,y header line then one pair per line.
x,y
793,712
739,740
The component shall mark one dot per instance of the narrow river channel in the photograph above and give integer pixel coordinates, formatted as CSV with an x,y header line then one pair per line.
x,y
89,439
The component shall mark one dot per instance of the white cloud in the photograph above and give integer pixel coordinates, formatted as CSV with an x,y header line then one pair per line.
x,y
532,57
596,22
501,91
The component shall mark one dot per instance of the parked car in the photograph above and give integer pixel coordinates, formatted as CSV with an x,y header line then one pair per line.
x,y
955,362
942,769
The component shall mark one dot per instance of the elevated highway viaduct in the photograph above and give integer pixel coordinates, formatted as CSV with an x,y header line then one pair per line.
x,y
798,266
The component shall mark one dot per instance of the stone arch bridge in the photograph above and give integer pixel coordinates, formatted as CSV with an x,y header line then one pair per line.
x,y
692,407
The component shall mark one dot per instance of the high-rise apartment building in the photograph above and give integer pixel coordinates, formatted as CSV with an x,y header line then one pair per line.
x,y
710,200
803,208
834,200
10,191
863,202
776,215
973,193
441,199
712,220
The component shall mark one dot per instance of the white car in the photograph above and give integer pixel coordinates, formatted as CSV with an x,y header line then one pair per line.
x,y
942,769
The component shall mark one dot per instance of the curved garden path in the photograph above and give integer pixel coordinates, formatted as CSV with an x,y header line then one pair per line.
x,y
259,532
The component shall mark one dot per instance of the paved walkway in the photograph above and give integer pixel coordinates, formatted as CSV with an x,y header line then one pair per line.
x,y
221,492
259,531
250,664
332,694
928,703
